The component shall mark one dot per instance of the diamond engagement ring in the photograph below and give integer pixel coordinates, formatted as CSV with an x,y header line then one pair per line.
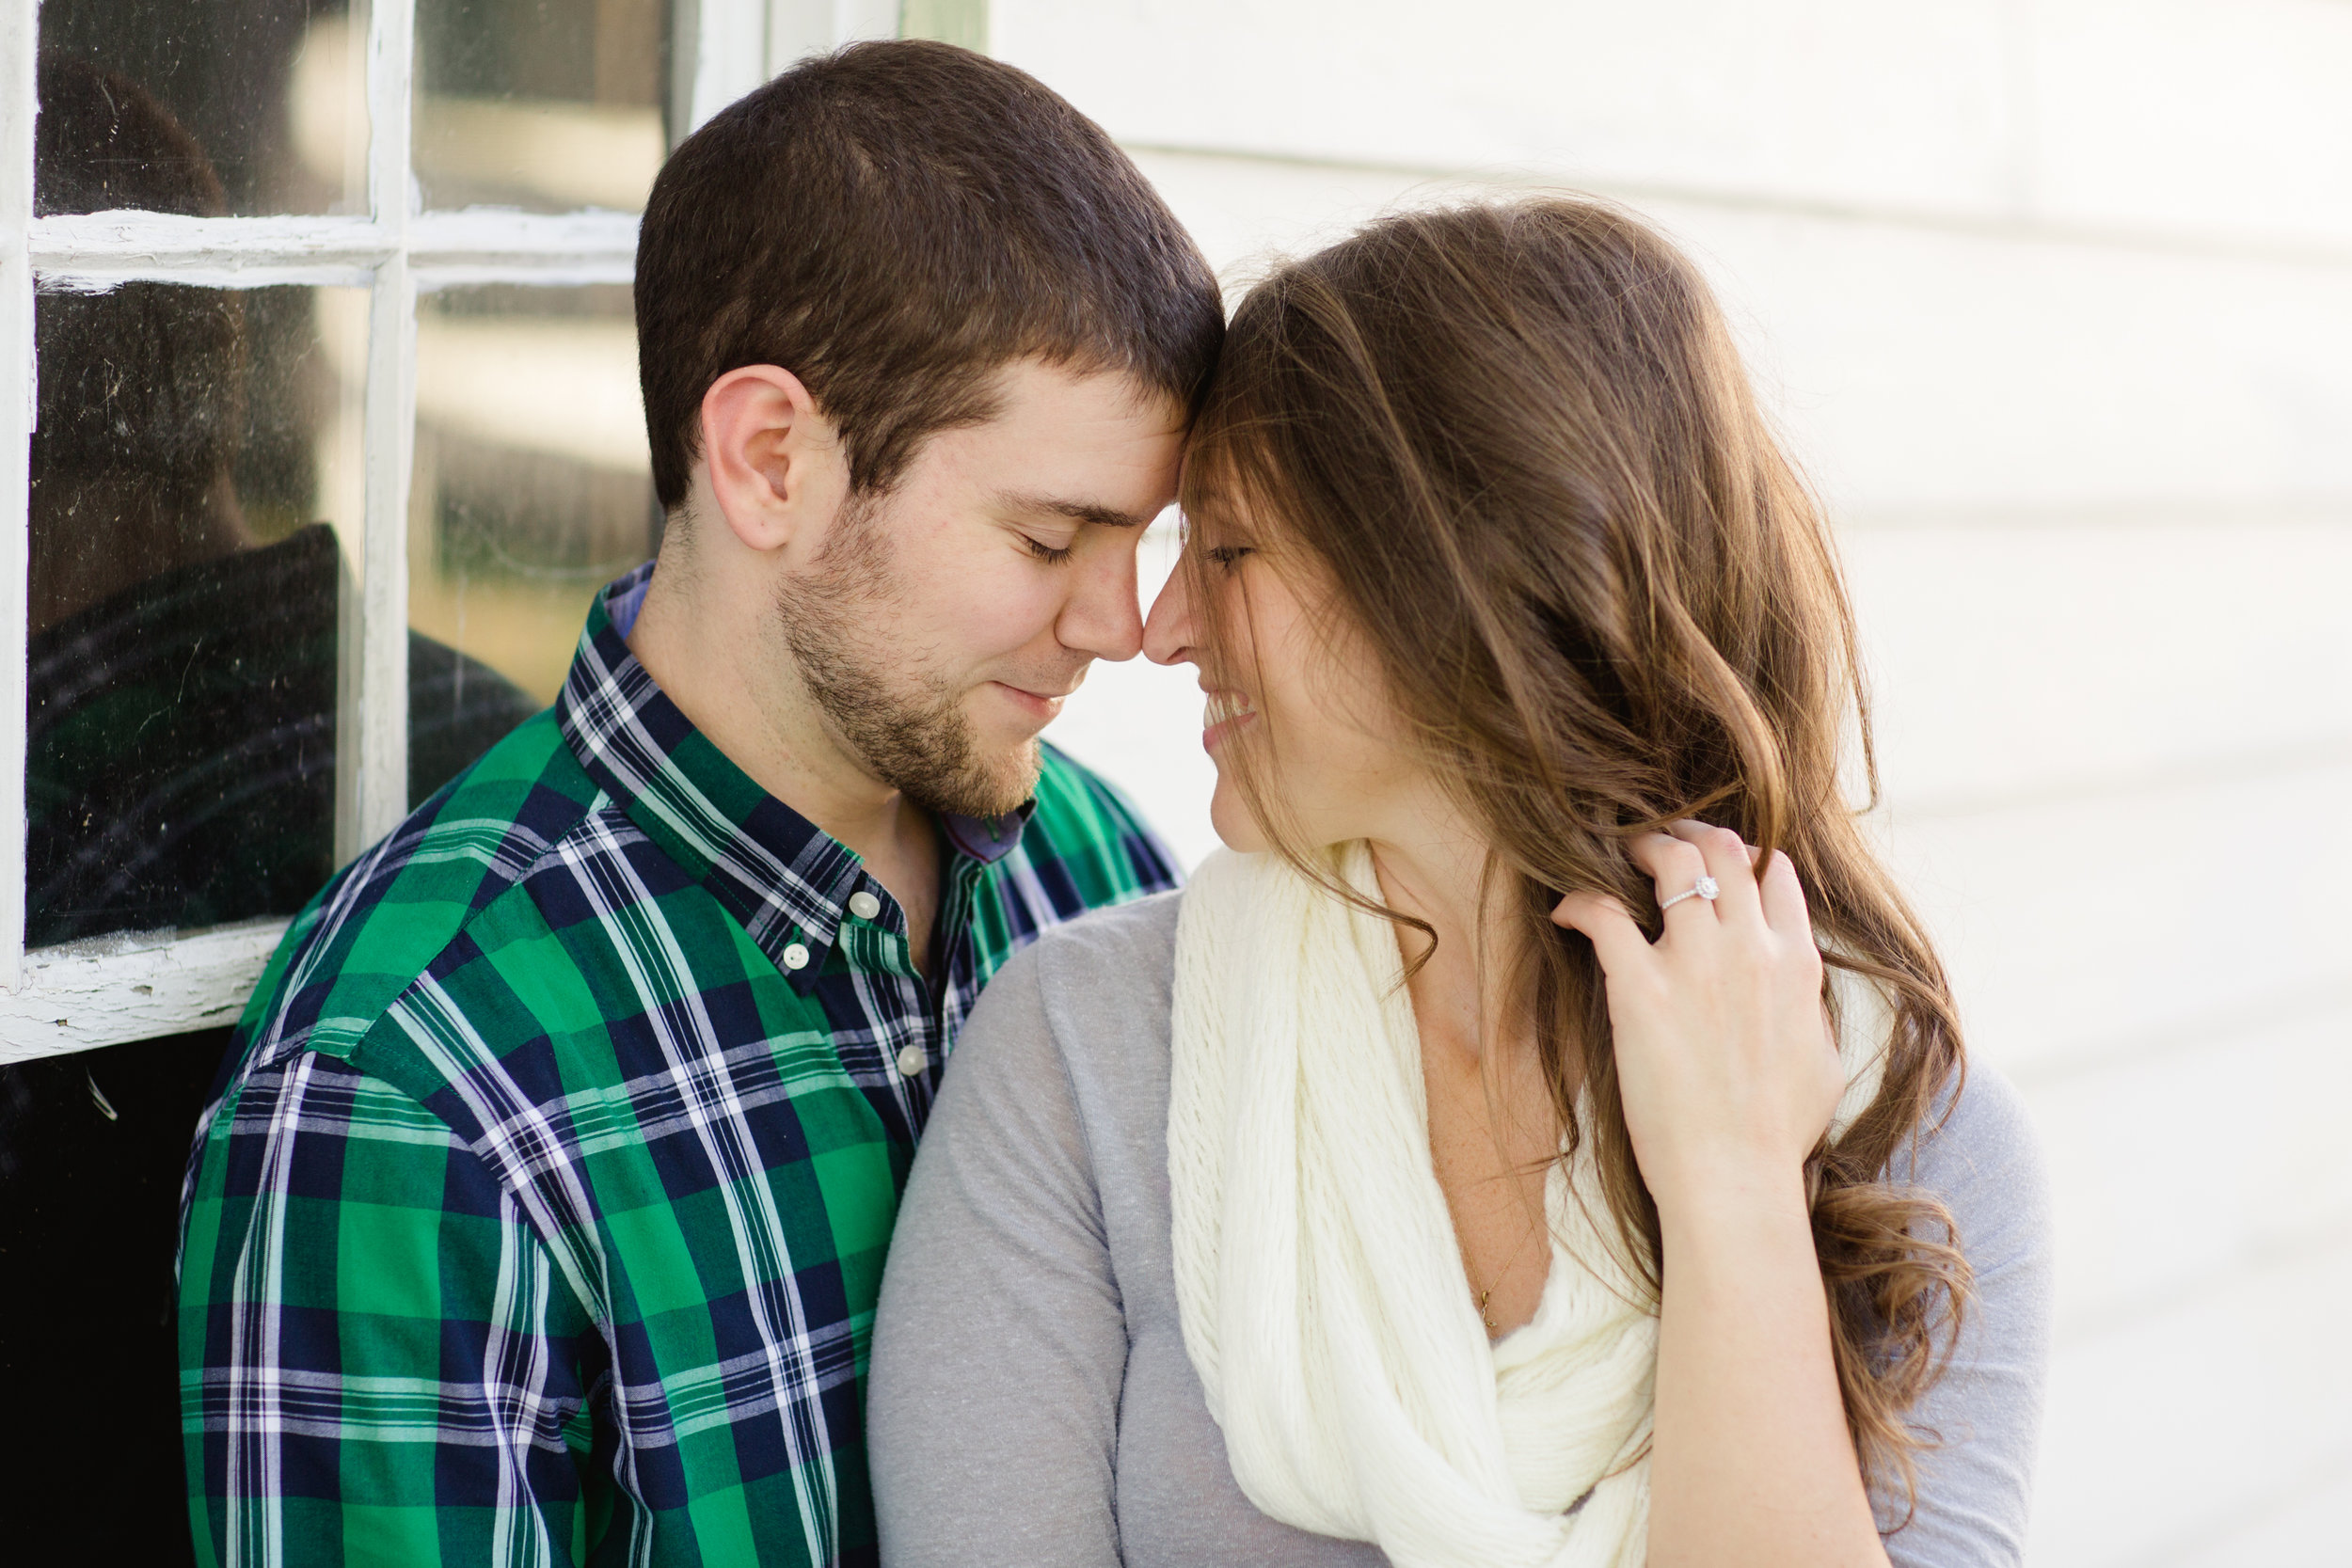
x,y
1706,887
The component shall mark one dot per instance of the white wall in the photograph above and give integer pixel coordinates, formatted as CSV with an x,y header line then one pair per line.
x,y
2055,297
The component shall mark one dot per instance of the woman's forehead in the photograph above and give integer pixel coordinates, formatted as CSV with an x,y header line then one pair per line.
x,y
1223,493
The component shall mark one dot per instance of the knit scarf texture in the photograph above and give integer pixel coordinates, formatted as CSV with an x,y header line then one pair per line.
x,y
1318,1279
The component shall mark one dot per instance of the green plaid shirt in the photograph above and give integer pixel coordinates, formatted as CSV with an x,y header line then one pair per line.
x,y
541,1213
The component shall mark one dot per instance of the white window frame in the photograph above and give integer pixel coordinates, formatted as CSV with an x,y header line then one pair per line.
x,y
133,986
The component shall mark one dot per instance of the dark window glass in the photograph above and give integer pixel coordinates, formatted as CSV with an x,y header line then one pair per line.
x,y
532,489
550,106
204,107
183,590
182,662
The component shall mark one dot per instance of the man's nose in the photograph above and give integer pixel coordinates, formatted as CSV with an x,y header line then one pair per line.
x,y
1101,619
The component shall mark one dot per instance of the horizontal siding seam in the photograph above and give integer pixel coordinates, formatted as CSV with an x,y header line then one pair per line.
x,y
2278,250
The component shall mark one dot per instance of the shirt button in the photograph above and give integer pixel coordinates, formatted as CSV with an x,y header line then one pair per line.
x,y
913,1060
795,955
865,904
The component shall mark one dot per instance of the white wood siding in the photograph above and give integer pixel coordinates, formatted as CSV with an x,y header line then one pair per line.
x,y
2055,300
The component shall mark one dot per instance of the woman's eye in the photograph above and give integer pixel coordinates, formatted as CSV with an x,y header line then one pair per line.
x,y
1228,554
1052,555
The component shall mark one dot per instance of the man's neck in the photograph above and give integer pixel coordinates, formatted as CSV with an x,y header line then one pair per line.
x,y
776,733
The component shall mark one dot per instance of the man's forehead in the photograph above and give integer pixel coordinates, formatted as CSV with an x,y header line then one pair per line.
x,y
1090,447
1033,392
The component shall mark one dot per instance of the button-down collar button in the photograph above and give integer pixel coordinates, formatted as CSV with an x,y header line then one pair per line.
x,y
865,904
795,955
913,1060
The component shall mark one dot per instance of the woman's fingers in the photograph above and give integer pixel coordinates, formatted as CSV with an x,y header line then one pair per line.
x,y
1617,941
1675,867
1785,909
1769,893
1731,862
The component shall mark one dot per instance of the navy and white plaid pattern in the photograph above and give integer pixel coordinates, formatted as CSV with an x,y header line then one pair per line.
x,y
542,1213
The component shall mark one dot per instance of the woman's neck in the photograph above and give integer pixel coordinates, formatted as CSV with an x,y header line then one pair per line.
x,y
1436,871
1493,1131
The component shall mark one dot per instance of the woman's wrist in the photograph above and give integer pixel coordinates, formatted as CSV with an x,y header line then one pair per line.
x,y
1730,1199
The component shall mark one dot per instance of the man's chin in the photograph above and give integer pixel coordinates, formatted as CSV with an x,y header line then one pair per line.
x,y
1018,771
1002,783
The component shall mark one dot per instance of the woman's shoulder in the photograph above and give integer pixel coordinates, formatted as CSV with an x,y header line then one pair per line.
x,y
1981,1155
1088,998
1980,1126
1113,963
1120,939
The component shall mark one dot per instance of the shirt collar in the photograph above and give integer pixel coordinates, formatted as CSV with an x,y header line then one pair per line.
x,y
786,880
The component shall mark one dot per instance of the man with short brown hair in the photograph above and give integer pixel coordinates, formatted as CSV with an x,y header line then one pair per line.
x,y
542,1214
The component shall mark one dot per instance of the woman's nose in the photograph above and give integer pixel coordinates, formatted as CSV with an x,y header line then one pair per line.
x,y
1168,634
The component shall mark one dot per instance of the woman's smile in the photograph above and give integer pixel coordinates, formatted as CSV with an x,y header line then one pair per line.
x,y
1226,712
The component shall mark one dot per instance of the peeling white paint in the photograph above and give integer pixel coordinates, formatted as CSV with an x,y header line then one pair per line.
x,y
138,241
95,252
381,724
133,987
18,406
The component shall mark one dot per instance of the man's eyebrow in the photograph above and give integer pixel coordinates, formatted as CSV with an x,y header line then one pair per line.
x,y
1077,511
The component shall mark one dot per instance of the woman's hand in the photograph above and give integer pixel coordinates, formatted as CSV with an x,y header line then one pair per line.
x,y
1728,1074
1724,1057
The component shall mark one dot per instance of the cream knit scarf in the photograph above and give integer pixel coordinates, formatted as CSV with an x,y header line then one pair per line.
x,y
1317,1275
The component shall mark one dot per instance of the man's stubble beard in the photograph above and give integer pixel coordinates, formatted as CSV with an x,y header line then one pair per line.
x,y
904,723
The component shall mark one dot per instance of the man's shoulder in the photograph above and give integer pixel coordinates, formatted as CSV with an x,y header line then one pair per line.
x,y
1088,830
384,921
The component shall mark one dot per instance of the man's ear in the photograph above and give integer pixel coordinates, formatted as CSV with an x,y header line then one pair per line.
x,y
775,462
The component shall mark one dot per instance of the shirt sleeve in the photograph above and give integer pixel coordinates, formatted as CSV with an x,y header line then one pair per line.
x,y
1984,1419
378,1362
1000,1346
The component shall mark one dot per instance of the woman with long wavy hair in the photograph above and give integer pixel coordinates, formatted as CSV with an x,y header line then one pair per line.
x,y
1543,1137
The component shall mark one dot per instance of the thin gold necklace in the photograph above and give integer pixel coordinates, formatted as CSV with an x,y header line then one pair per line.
x,y
1480,1298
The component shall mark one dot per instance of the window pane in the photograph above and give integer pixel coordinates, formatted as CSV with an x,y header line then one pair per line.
x,y
183,602
202,106
550,106
532,489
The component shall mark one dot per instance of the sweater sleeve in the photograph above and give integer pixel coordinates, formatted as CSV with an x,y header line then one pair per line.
x,y
1984,1418
1000,1346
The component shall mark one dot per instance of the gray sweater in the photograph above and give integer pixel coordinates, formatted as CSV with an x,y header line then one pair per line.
x,y
1031,1404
